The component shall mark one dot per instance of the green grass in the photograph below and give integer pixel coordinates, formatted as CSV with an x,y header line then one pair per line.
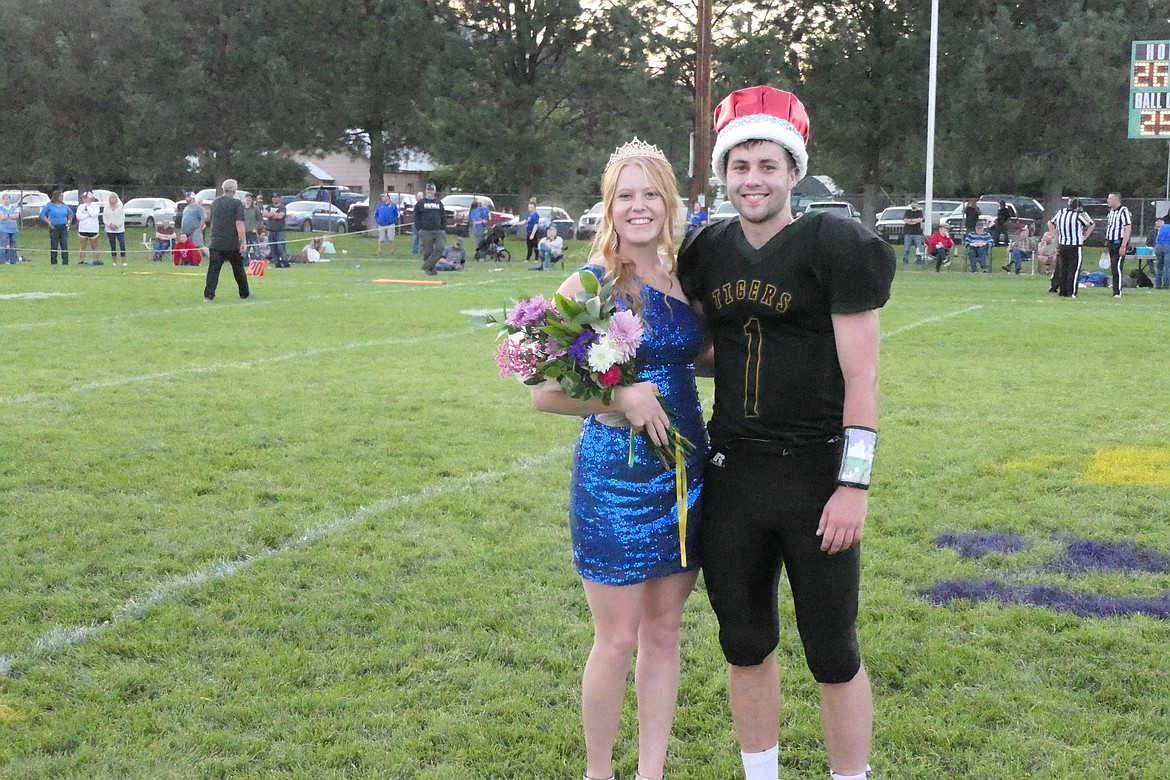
x,y
316,536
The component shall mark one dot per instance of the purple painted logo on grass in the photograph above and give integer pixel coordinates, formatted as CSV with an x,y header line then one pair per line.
x,y
1078,556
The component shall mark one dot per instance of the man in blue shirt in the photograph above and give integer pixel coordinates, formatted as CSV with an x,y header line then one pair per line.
x,y
57,216
9,225
978,247
478,217
697,218
386,217
532,231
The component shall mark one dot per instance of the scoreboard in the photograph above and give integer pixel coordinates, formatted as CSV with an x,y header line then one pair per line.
x,y
1149,90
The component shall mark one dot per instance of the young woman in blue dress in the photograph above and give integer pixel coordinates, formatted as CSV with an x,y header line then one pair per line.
x,y
624,520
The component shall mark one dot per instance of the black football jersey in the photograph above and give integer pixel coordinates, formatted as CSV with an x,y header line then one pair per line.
x,y
777,375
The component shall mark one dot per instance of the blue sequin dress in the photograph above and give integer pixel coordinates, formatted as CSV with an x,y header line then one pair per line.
x,y
624,521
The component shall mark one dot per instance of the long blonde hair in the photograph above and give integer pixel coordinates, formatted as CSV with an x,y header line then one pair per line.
x,y
606,250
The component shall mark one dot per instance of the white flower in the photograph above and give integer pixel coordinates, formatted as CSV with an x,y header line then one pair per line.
x,y
603,354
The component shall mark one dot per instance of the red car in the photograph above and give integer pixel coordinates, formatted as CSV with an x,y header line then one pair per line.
x,y
458,207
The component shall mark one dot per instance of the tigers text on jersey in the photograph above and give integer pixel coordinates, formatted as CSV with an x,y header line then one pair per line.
x,y
769,315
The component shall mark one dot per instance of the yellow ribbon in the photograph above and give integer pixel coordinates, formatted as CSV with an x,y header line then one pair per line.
x,y
680,492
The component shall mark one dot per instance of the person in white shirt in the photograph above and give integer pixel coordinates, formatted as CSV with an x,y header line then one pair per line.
x,y
115,218
88,225
551,249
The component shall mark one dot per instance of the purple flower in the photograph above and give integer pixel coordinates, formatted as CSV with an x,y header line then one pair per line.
x,y
580,348
529,312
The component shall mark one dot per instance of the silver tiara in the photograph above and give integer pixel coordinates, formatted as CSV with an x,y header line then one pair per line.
x,y
636,148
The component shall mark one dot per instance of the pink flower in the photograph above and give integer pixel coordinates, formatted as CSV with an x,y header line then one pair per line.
x,y
626,331
611,377
517,355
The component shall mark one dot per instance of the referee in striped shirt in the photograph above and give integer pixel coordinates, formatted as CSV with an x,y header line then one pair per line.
x,y
1117,239
1072,226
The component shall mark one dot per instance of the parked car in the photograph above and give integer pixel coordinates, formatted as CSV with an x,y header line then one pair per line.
x,y
841,207
204,197
956,221
340,196
890,225
1028,208
357,213
146,212
723,211
310,215
30,201
458,206
549,215
587,224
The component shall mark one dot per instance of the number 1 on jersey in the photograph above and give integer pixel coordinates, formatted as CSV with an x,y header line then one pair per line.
x,y
753,338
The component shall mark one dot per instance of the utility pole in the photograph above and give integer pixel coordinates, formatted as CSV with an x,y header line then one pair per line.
x,y
701,170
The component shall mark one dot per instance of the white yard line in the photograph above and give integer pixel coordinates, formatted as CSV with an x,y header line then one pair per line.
x,y
370,290
60,638
929,320
87,387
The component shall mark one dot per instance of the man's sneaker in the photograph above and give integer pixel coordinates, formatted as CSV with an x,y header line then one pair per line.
x,y
97,262
946,262
208,300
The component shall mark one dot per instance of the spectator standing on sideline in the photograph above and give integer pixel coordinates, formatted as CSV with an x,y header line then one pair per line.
x,y
939,247
386,217
430,219
791,308
1117,234
532,231
228,242
978,248
88,224
9,227
1003,218
164,239
274,217
252,219
1162,254
58,217
551,249
912,219
1072,226
193,222
478,217
115,219
697,218
971,215
415,248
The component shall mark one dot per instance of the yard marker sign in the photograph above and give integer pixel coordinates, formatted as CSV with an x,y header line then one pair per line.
x,y
1149,91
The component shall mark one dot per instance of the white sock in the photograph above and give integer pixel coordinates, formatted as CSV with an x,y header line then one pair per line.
x,y
762,766
861,776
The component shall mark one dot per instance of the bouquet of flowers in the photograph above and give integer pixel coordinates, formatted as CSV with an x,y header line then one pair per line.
x,y
585,344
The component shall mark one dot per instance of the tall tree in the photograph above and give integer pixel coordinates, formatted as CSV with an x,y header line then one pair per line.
x,y
501,121
864,74
1040,98
366,69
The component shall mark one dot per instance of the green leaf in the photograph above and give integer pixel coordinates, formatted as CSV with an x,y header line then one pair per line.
x,y
588,282
593,305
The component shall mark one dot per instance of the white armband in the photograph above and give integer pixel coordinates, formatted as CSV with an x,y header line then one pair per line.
x,y
857,457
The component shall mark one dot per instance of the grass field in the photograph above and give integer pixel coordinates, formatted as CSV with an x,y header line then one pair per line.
x,y
316,536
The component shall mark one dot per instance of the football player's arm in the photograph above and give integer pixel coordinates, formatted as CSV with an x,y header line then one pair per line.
x,y
857,337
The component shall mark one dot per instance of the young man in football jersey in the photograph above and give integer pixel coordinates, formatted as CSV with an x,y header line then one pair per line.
x,y
791,306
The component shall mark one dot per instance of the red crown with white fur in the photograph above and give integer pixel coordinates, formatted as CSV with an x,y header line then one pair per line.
x,y
760,114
